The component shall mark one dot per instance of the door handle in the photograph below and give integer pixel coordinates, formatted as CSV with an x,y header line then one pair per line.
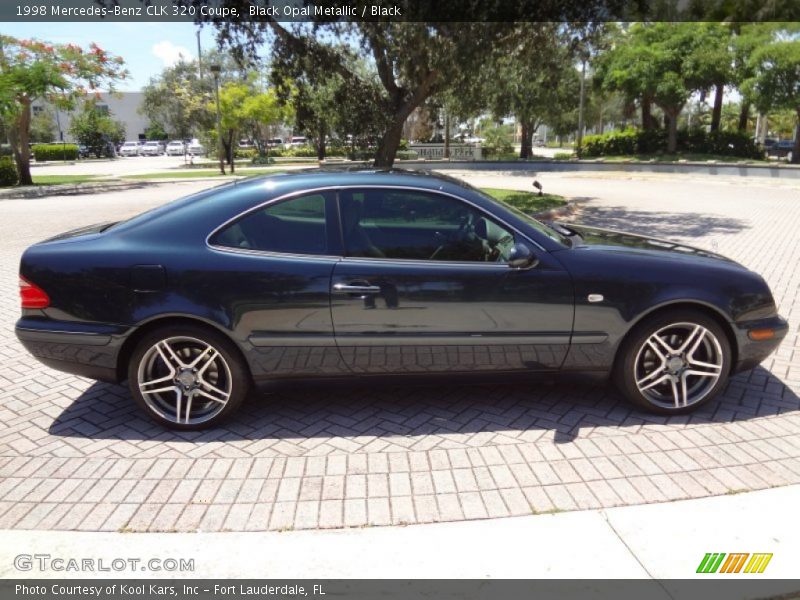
x,y
345,288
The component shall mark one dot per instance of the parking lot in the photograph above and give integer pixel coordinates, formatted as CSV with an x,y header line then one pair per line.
x,y
120,167
75,454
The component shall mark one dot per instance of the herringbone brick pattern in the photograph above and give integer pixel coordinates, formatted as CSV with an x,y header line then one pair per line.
x,y
75,454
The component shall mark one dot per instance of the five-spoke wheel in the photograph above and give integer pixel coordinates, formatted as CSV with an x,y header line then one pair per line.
x,y
187,377
674,362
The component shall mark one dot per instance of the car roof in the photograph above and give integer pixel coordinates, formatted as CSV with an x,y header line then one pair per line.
x,y
353,176
213,206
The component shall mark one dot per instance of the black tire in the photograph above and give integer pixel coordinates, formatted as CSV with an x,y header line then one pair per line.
x,y
209,394
637,359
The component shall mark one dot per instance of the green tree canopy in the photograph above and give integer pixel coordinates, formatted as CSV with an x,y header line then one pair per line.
x,y
776,81
31,70
96,128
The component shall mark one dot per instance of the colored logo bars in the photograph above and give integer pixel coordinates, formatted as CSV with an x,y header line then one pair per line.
x,y
713,563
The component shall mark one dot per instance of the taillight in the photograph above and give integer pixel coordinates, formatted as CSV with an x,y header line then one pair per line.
x,y
32,295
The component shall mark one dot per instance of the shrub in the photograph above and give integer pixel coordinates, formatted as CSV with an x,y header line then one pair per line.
x,y
263,160
613,143
5,150
733,143
302,151
8,172
335,151
562,155
651,142
694,141
360,154
42,152
245,153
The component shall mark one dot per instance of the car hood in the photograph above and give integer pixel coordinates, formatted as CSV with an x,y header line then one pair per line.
x,y
620,241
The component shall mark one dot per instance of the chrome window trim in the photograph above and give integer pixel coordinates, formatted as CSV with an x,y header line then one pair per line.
x,y
337,189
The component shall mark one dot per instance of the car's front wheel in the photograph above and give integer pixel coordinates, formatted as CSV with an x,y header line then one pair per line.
x,y
674,362
187,377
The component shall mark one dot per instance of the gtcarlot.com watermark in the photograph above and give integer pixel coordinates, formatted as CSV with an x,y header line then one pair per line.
x,y
46,562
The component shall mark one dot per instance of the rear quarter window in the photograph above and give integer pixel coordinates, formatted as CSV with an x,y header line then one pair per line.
x,y
293,226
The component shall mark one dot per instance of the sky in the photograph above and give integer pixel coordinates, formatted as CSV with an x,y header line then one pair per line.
x,y
146,47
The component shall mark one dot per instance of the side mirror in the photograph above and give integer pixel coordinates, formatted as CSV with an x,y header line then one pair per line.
x,y
521,257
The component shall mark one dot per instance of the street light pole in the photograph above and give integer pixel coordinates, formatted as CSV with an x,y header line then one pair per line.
x,y
215,69
581,103
199,57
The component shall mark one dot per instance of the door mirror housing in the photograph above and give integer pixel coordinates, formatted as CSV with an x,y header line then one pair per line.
x,y
521,257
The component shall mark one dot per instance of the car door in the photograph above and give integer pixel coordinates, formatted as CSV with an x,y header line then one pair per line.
x,y
425,287
275,277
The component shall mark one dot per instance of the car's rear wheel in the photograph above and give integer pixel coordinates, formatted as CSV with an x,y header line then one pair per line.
x,y
674,362
187,377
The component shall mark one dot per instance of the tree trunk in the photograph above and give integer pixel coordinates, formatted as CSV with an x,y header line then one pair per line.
x,y
600,124
18,136
796,150
390,142
672,130
716,113
647,115
403,105
321,144
526,136
744,115
230,151
447,135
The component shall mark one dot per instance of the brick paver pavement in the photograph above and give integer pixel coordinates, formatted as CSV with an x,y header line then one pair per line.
x,y
75,454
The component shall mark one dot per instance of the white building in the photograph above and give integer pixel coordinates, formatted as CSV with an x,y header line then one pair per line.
x,y
123,106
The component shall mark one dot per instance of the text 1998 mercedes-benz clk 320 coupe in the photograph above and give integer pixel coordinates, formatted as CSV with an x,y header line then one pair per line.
x,y
371,273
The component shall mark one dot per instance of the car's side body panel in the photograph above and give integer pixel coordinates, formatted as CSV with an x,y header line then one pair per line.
x,y
430,317
278,309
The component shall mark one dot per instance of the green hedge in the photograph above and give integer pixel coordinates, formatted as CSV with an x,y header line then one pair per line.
x,y
8,172
695,141
334,152
43,152
245,153
370,155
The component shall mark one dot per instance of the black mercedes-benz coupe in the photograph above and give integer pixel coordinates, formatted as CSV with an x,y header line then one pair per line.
x,y
370,273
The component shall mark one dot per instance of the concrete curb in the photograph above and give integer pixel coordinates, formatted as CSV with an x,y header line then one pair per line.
x,y
743,169
69,189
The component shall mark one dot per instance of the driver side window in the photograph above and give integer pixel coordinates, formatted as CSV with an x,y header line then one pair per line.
x,y
412,225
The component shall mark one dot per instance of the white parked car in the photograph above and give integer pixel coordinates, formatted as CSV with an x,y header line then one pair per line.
x,y
298,141
195,148
175,148
152,149
129,149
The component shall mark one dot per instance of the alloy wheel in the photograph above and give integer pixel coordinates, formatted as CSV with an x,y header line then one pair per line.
x,y
678,365
184,380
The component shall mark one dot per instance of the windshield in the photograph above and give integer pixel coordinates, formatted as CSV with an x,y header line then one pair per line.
x,y
538,225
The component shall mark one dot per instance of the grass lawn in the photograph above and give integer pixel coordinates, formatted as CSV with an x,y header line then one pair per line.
x,y
58,179
529,202
205,173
